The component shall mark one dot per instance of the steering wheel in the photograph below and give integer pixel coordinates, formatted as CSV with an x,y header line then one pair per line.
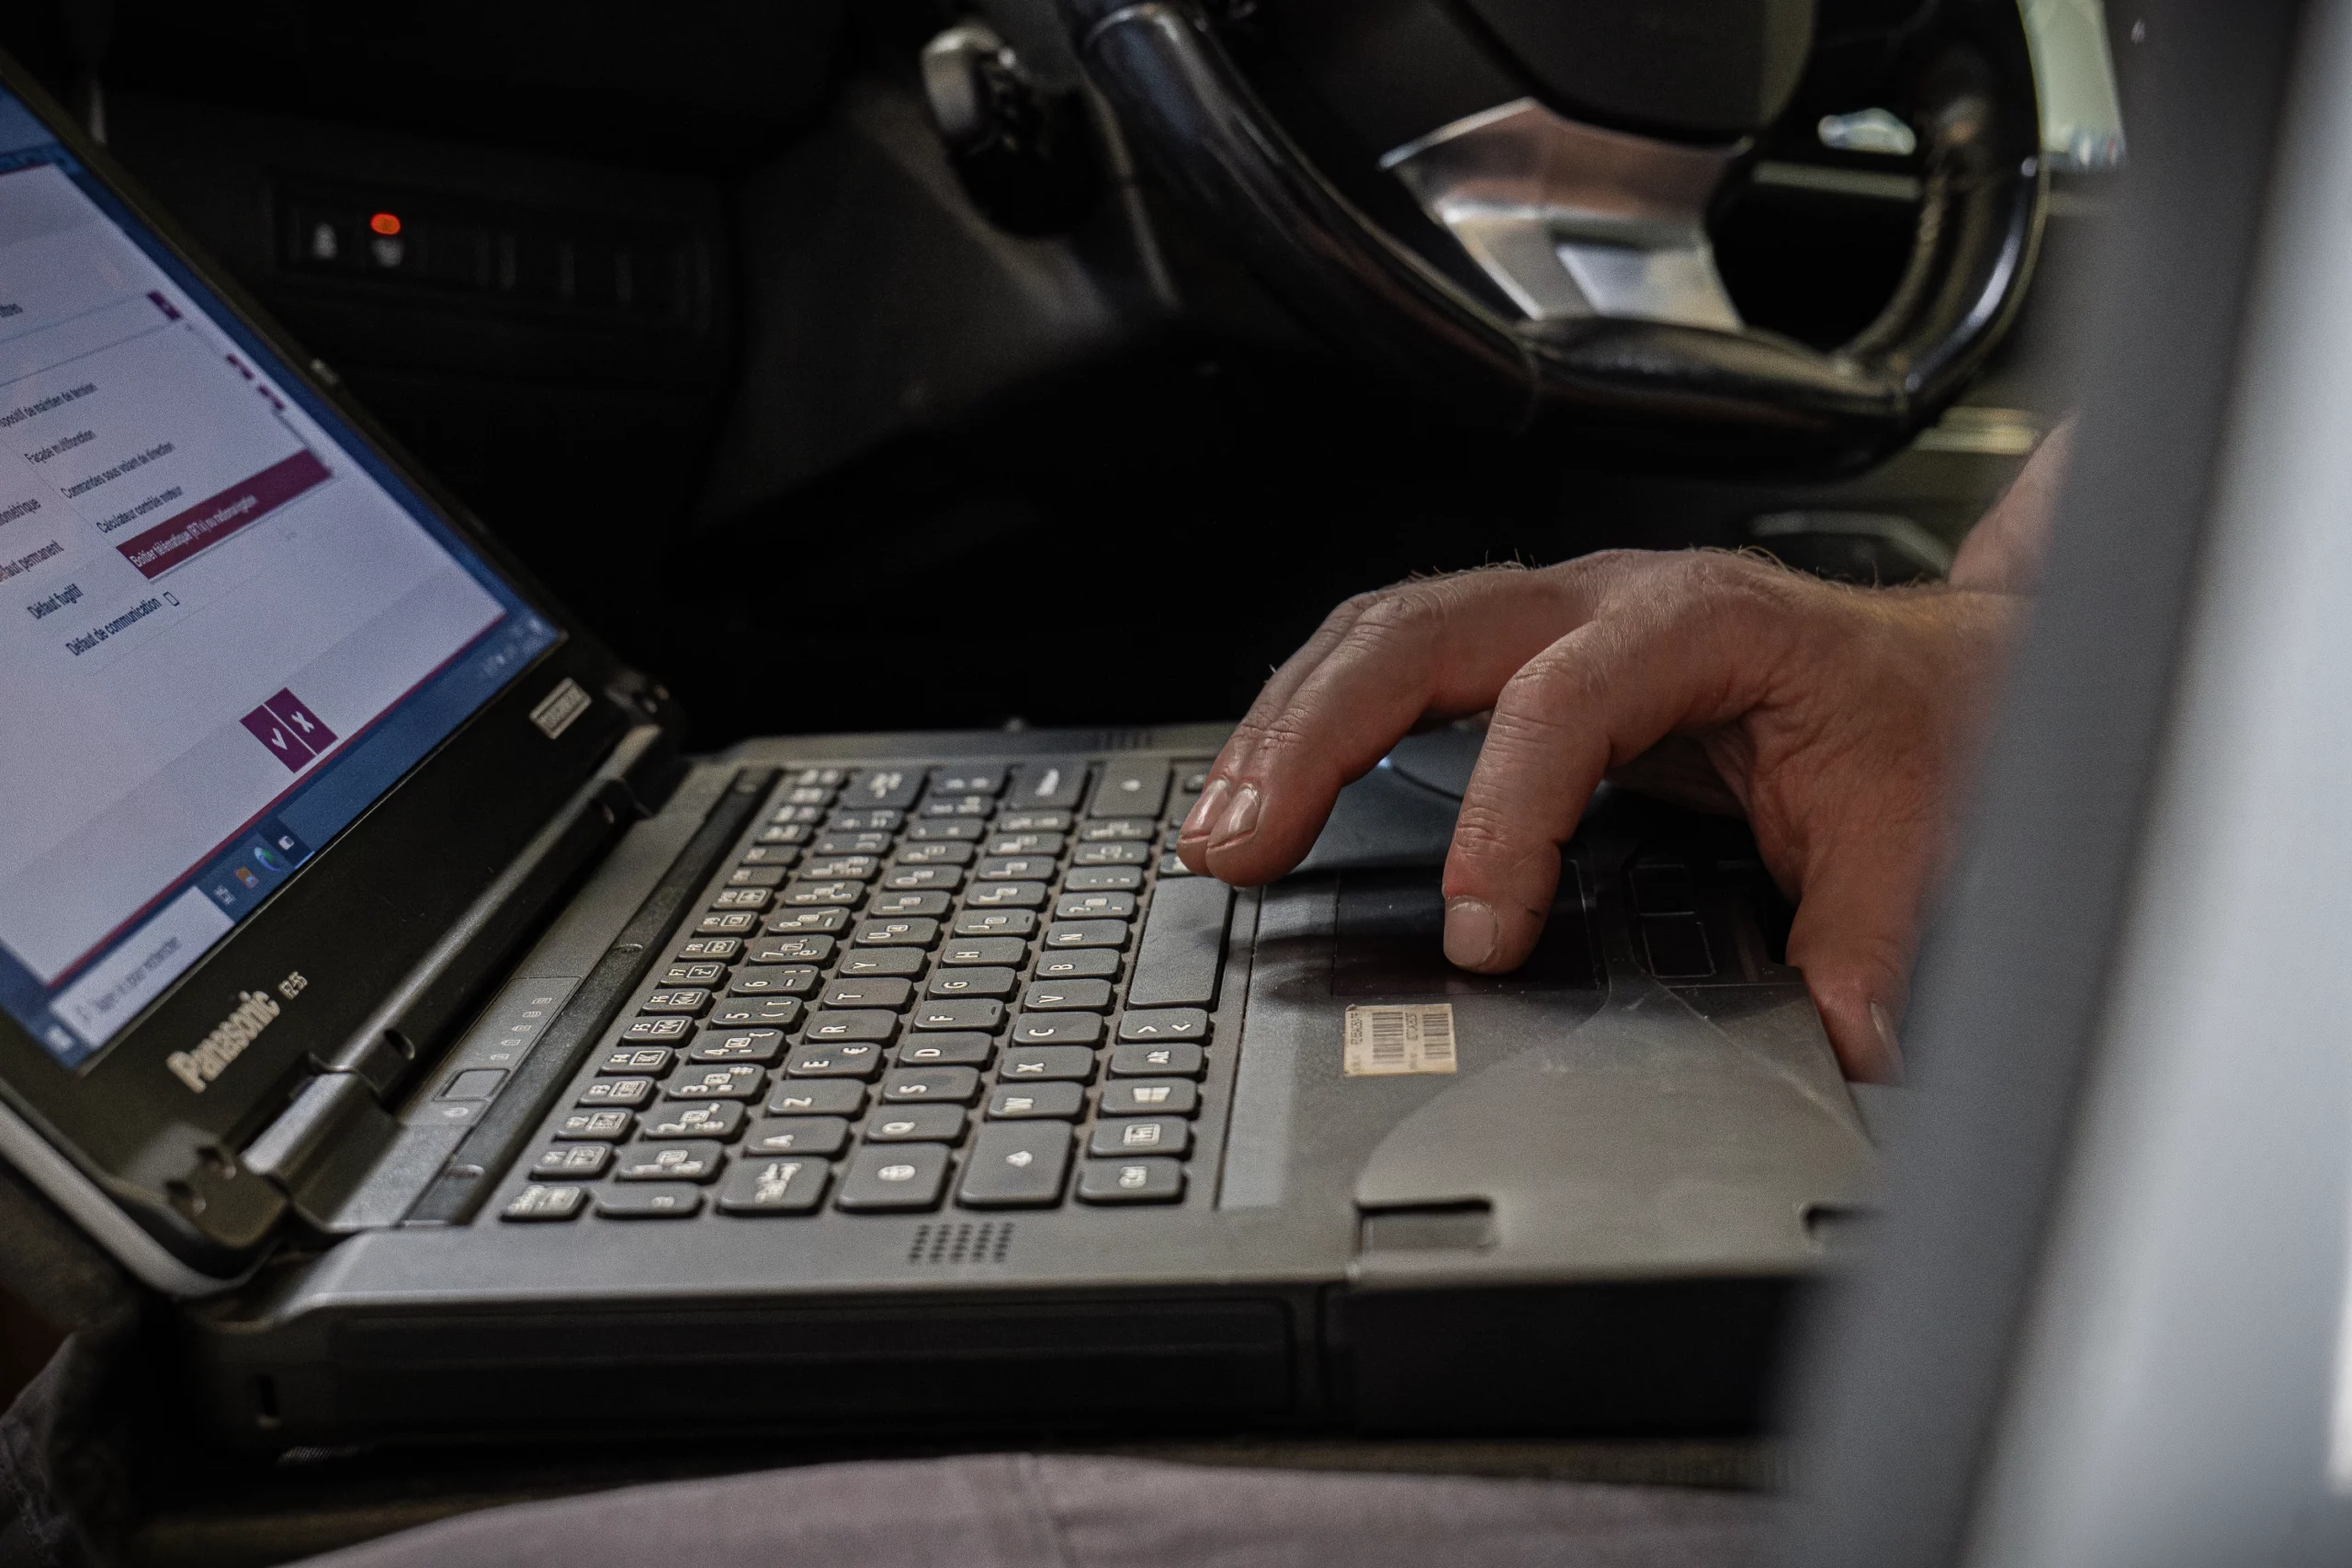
x,y
1529,240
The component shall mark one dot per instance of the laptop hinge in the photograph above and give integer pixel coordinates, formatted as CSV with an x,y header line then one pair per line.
x,y
323,1144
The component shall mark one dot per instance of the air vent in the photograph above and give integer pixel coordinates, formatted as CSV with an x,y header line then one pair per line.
x,y
986,1242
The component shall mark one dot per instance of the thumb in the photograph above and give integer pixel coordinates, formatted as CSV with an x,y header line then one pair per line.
x,y
1856,929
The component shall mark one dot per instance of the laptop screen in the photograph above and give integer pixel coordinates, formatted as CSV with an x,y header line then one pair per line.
x,y
226,627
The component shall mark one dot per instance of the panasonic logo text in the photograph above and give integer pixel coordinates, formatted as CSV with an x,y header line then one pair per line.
x,y
226,1042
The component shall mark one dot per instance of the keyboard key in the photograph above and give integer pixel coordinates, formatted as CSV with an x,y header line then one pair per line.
x,y
1020,1103
974,1012
996,922
635,1059
1086,933
1007,896
791,816
725,949
861,992
847,1059
831,1028
914,1125
779,834
1057,1029
824,895
1114,1136
1095,906
872,841
1183,950
1120,830
1164,1023
793,922
889,787
1173,1060
941,878
893,1177
1130,1181
760,1045
756,876
672,1028
1081,963
818,1136
779,855
719,1119
695,1161
971,807
968,778
616,1091
779,980
839,868
945,1086
930,905
807,794
541,1204
951,982
1068,995
791,950
1047,1063
1151,1096
897,933
870,819
1014,1166
938,851
739,1082
1112,854
817,1096
883,963
822,778
1015,868
958,1050
1104,878
650,1201
694,974
753,1012
1130,786
774,1186
742,899
608,1126
1047,844
1008,951
952,831
1034,822
1047,782
572,1162
728,922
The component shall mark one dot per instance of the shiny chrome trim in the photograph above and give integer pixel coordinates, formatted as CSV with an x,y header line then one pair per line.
x,y
1570,219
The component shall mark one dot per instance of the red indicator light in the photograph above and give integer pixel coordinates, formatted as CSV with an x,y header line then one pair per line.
x,y
385,223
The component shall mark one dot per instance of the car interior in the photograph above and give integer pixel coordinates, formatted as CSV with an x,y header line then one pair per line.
x,y
1007,365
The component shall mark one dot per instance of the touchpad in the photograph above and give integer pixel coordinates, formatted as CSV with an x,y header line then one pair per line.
x,y
1389,940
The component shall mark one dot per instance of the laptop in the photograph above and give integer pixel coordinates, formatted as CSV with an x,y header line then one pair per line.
x,y
380,981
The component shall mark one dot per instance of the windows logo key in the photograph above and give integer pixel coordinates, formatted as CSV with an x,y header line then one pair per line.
x,y
293,734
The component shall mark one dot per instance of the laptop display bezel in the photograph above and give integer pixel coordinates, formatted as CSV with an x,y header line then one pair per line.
x,y
332,940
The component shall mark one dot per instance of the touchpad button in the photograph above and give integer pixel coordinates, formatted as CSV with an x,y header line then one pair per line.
x,y
1390,939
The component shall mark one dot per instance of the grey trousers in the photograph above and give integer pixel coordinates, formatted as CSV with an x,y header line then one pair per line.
x,y
1024,1511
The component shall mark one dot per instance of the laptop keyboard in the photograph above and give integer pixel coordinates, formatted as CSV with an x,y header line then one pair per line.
x,y
976,986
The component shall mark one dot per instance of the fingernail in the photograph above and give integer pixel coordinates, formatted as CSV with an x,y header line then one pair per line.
x,y
1472,932
1240,823
1204,810
1894,1047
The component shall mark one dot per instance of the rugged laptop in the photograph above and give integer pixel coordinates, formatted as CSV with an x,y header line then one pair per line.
x,y
380,980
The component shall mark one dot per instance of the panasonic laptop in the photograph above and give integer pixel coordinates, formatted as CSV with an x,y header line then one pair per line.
x,y
380,981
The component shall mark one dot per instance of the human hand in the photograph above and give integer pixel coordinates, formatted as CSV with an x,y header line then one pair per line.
x,y
1836,719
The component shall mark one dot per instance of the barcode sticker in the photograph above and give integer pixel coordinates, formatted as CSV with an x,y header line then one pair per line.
x,y
1384,1040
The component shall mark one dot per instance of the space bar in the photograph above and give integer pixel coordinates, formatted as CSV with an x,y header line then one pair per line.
x,y
1183,944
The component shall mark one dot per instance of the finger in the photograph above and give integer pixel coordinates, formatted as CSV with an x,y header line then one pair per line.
x,y
1683,649
1445,645
1854,935
1193,838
